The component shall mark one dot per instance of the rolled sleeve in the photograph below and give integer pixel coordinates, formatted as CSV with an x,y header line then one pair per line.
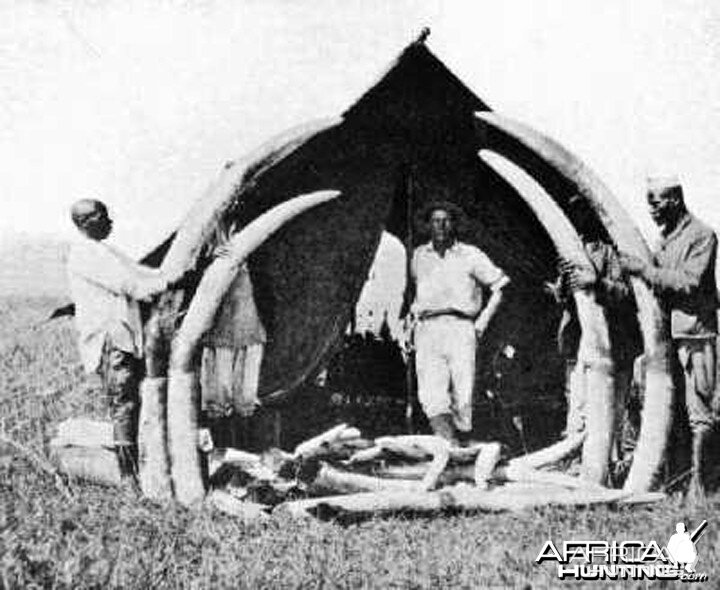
x,y
102,267
414,265
486,272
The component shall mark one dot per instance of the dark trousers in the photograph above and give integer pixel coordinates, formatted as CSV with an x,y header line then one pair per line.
x,y
121,374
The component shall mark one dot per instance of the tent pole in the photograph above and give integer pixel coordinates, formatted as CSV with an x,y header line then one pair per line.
x,y
409,189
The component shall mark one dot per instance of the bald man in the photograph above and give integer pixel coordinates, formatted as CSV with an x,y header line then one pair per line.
x,y
682,274
106,287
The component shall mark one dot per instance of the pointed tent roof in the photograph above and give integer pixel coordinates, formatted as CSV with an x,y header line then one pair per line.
x,y
406,141
426,85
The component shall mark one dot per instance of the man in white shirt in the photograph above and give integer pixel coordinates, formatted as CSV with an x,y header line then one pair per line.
x,y
449,276
106,287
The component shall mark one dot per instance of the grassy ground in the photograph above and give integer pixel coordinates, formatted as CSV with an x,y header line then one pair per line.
x,y
55,533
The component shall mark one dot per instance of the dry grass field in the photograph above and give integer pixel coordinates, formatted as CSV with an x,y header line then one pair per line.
x,y
69,534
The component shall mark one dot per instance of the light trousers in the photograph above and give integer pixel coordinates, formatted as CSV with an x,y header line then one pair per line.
x,y
445,362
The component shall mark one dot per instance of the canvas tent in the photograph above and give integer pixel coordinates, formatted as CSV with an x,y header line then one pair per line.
x,y
413,137
410,137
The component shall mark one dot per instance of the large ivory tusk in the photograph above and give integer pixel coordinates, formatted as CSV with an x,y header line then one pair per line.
x,y
418,446
487,459
189,240
461,497
522,474
201,219
182,380
346,482
312,446
152,445
552,454
220,274
518,472
550,152
594,350
532,151
365,455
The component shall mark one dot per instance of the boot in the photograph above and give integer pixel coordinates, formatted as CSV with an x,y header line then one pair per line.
x,y
696,491
128,463
443,425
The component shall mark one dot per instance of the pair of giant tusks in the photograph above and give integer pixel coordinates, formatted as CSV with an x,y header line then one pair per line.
x,y
541,151
595,335
182,380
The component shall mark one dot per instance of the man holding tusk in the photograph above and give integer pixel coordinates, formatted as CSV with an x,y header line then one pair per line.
x,y
449,276
605,278
106,287
682,274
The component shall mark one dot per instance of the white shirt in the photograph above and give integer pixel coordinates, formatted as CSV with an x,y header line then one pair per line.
x,y
106,286
453,281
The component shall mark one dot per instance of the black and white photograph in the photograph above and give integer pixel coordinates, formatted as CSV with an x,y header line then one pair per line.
x,y
359,294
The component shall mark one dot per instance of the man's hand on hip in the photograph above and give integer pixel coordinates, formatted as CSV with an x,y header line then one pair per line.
x,y
481,324
406,337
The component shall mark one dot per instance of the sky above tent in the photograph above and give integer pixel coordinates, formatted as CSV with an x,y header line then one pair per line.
x,y
141,103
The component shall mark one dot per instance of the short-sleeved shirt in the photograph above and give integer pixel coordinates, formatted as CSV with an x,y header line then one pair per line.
x,y
453,281
684,278
106,286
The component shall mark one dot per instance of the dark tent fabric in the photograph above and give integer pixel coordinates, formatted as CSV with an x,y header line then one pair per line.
x,y
410,139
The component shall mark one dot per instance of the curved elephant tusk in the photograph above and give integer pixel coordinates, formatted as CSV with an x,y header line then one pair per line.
x,y
190,238
594,350
532,151
220,274
182,380
587,183
201,220
552,454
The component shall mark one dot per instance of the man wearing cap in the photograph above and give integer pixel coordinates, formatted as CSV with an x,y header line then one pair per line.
x,y
682,274
449,276
106,287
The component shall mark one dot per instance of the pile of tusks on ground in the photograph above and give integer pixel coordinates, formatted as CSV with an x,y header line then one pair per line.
x,y
341,474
